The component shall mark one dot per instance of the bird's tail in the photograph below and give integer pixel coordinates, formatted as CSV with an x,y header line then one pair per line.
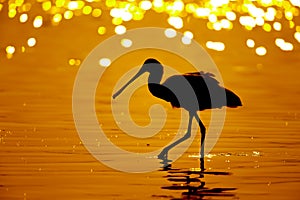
x,y
233,100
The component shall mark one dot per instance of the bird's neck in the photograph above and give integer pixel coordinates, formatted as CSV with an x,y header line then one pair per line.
x,y
155,77
154,83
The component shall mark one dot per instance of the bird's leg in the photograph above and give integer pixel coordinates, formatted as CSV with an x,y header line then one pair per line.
x,y
188,132
203,132
164,153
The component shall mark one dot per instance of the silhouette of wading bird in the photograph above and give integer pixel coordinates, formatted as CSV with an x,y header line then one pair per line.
x,y
192,91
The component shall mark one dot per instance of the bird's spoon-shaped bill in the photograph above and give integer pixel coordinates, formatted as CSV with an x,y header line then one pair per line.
x,y
140,72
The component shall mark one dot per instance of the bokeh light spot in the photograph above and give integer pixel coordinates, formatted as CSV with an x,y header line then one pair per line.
x,y
116,12
38,22
297,36
138,15
31,42
226,24
176,22
292,24
101,30
12,13
117,20
212,18
267,27
170,33
277,26
261,51
202,12
23,18
96,12
270,14
104,62
217,26
126,16
288,15
68,14
188,34
72,62
126,43
46,5
110,3
247,21
57,18
230,15
77,62
145,5
10,49
218,3
87,10
295,2
158,4
120,29
250,43
186,40
283,45
259,21
217,46
75,5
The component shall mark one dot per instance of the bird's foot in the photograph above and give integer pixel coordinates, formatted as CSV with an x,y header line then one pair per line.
x,y
162,155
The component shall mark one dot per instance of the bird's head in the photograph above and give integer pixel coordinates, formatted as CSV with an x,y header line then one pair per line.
x,y
151,61
150,65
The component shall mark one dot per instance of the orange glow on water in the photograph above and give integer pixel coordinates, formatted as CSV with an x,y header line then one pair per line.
x,y
268,15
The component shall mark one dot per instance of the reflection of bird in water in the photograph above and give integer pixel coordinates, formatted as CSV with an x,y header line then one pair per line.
x,y
192,91
190,181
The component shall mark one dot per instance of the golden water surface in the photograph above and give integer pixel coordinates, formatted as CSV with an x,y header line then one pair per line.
x,y
42,157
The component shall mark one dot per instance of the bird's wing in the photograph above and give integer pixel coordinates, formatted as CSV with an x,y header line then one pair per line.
x,y
207,76
193,74
163,92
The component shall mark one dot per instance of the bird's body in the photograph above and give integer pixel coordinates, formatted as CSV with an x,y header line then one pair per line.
x,y
194,92
198,83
